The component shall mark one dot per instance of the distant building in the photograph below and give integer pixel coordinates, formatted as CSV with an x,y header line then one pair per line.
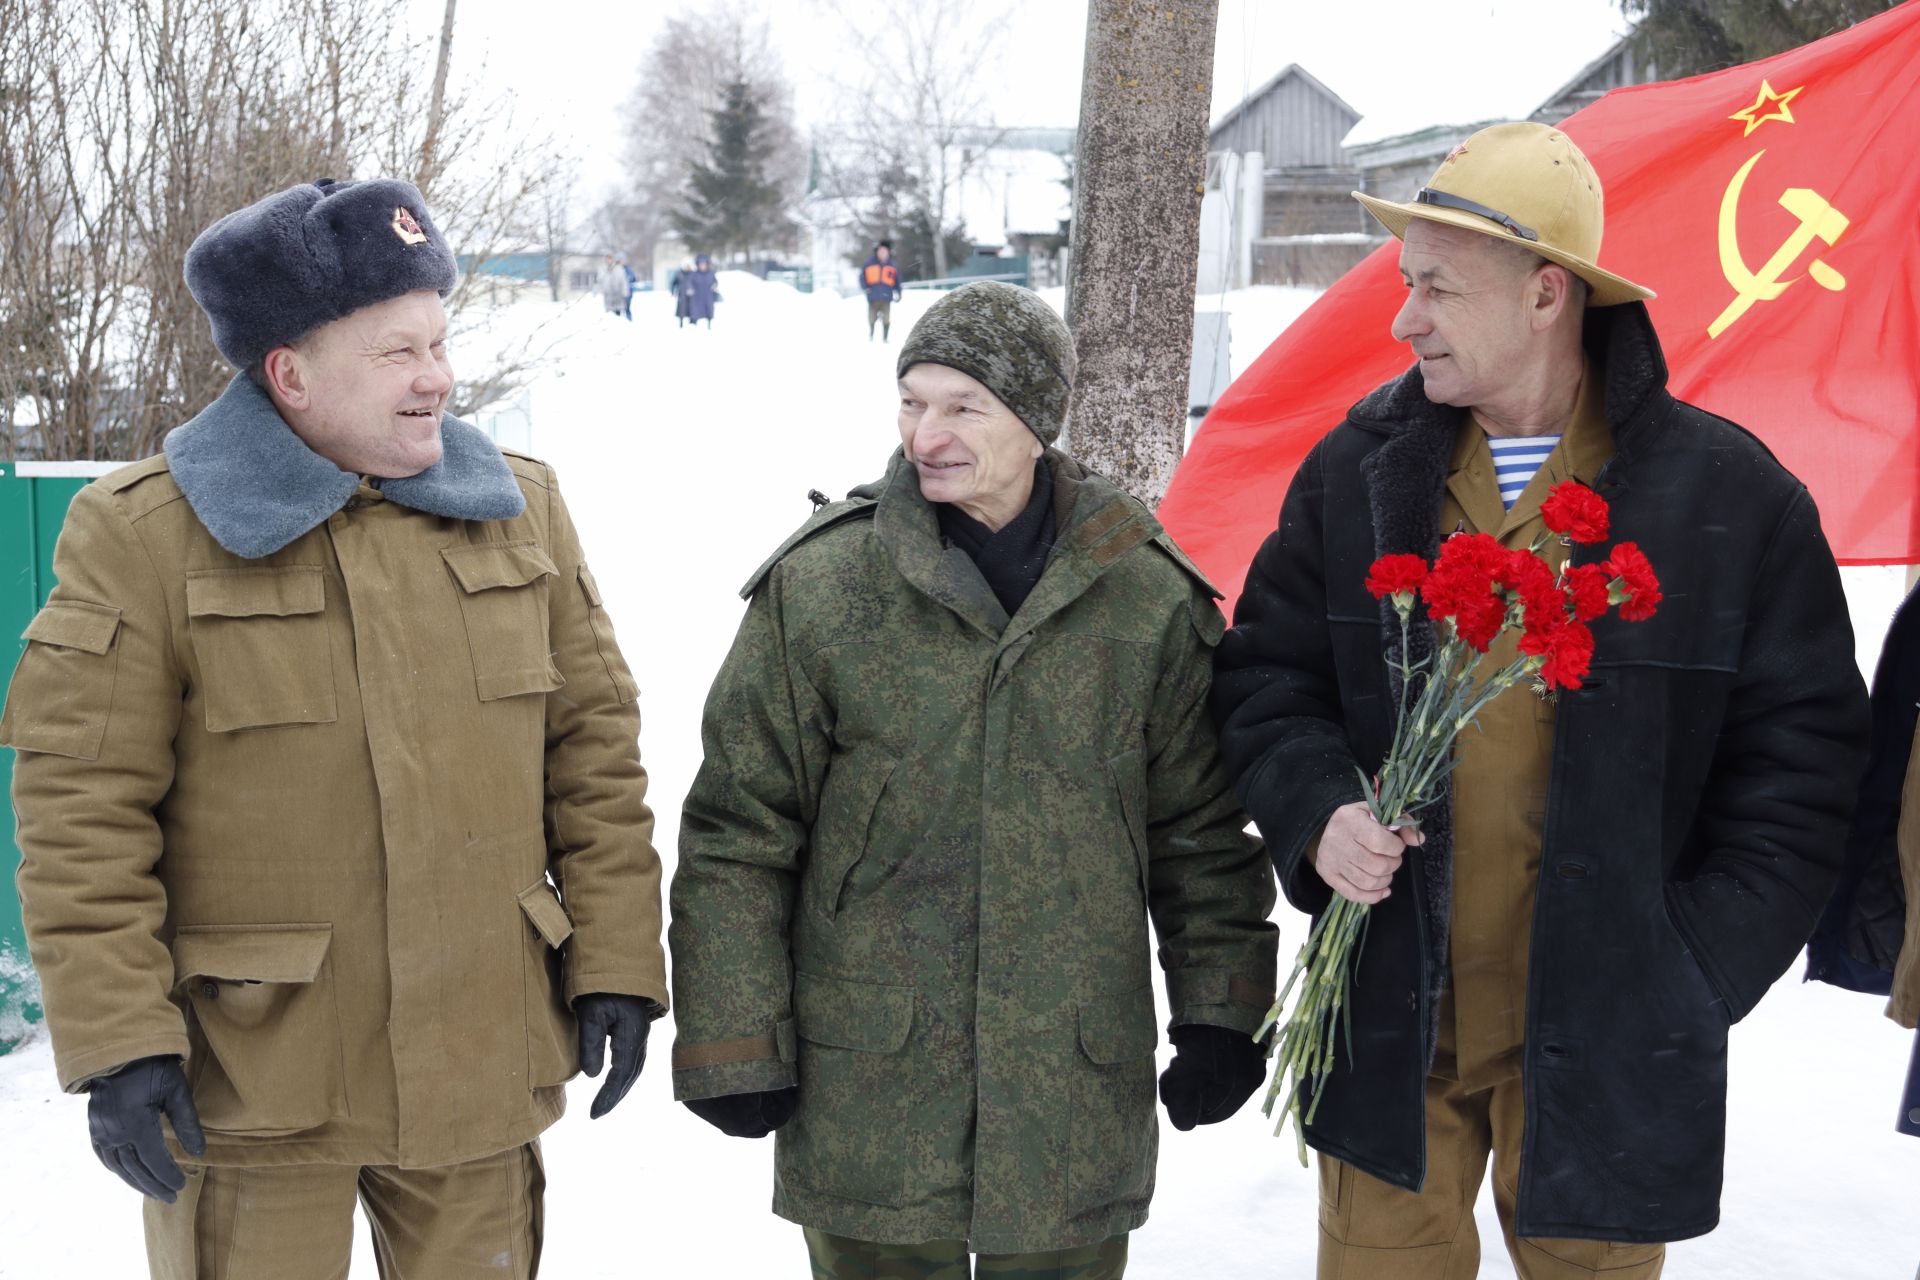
x,y
1296,124
533,273
1310,231
1618,67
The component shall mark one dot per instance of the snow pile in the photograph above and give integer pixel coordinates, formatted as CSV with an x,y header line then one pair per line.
x,y
686,456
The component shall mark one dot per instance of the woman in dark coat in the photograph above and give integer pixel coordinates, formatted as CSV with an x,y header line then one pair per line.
x,y
698,292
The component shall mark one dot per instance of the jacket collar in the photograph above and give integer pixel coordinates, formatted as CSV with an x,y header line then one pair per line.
x,y
1095,524
256,486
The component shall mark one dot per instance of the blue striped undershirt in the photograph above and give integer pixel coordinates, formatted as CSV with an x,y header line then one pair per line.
x,y
1515,460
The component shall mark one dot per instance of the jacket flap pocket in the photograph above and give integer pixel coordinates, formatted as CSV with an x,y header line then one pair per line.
x,y
487,565
1119,1028
852,1015
545,913
251,952
249,593
74,624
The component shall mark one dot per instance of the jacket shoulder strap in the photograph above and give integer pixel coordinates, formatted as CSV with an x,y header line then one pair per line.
x,y
825,518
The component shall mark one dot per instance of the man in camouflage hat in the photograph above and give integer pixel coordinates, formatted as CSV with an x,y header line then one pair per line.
x,y
958,756
336,850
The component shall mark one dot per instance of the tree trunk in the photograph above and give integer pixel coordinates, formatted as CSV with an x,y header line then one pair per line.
x,y
1139,173
939,210
436,106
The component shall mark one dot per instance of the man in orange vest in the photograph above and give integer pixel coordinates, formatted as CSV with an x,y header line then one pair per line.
x,y
881,279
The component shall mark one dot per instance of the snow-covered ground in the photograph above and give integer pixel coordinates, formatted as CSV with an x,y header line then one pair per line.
x,y
686,456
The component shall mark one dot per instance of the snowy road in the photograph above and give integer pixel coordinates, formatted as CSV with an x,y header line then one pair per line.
x,y
686,456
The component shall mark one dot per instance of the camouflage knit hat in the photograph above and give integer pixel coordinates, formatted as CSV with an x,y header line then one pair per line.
x,y
1006,338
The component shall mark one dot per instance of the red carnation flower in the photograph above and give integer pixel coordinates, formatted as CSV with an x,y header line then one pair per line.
x,y
1526,575
1569,653
1396,574
1577,511
1587,591
1462,586
1633,587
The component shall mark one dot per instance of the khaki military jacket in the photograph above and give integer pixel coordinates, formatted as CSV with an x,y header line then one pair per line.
x,y
919,860
1503,763
345,817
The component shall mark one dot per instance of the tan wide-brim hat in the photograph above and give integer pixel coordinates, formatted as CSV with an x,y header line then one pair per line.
x,y
1526,183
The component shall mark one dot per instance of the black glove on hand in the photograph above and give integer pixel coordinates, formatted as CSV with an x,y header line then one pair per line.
x,y
627,1019
123,1116
748,1115
1214,1071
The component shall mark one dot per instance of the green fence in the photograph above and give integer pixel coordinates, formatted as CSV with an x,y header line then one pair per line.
x,y
33,503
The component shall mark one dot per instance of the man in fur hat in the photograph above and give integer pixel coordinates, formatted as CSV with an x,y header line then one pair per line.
x,y
1555,955
336,851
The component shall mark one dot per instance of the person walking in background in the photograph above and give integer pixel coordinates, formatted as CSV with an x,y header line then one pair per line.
x,y
880,277
614,285
956,758
335,845
697,292
633,281
1869,936
676,281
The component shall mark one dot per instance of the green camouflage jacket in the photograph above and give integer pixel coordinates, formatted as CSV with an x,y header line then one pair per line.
x,y
917,865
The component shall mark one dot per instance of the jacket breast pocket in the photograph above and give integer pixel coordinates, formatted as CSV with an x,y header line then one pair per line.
x,y
266,1053
504,600
857,1089
62,688
553,1038
261,639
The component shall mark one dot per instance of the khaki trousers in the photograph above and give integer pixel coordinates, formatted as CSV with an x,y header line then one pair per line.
x,y
843,1258
1372,1230
295,1222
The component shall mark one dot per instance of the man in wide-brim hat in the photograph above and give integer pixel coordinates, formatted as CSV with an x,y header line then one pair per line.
x,y
1555,956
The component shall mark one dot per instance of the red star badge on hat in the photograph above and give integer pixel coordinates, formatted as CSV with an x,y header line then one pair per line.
x,y
407,227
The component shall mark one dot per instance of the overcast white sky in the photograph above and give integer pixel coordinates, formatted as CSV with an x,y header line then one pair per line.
x,y
1402,63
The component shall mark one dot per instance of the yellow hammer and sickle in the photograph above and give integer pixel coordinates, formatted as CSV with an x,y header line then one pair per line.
x,y
1818,220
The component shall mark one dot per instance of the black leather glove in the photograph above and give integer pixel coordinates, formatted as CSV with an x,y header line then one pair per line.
x,y
748,1115
123,1116
1213,1073
626,1019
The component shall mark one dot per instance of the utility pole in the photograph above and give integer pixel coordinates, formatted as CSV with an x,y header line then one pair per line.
x,y
1140,170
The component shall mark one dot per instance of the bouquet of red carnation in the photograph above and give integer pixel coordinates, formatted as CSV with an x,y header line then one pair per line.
x,y
1474,591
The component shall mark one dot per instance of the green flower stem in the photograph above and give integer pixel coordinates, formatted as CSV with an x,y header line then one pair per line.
x,y
1418,760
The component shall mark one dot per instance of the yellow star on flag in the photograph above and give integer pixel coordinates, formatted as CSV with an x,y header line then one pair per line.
x,y
1778,101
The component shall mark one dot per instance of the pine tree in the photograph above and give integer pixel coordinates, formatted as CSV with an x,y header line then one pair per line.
x,y
732,206
1687,37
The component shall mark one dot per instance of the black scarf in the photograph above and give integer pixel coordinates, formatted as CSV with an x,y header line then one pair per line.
x,y
1012,559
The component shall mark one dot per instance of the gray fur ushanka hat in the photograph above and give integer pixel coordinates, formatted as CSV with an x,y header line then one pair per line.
x,y
1006,338
275,271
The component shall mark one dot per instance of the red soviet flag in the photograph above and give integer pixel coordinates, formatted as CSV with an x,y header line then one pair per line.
x,y
1774,207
